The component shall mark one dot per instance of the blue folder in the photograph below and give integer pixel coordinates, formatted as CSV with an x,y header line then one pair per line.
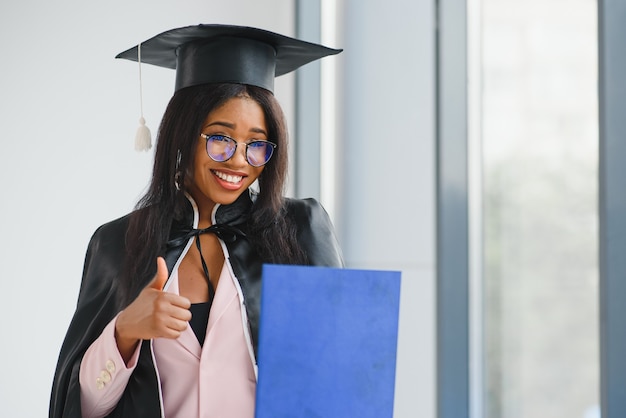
x,y
327,342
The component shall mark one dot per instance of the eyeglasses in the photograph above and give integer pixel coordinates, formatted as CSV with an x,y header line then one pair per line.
x,y
222,148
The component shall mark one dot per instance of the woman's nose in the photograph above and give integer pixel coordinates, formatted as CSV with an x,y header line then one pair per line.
x,y
240,158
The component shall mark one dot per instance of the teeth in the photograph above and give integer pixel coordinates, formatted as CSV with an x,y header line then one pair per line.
x,y
228,177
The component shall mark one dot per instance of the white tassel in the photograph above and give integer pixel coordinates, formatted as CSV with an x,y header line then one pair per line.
x,y
143,138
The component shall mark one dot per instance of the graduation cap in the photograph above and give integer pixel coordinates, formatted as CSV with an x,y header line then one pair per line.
x,y
213,53
226,54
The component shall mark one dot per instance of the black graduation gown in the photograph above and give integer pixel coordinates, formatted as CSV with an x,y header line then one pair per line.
x,y
98,300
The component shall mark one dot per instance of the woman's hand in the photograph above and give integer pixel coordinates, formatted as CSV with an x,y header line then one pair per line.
x,y
153,314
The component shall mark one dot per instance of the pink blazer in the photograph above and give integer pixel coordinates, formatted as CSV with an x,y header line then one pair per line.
x,y
216,380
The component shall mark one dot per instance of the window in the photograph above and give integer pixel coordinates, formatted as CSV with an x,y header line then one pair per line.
x,y
539,139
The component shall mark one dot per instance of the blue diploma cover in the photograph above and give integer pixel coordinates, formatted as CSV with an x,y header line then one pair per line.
x,y
327,342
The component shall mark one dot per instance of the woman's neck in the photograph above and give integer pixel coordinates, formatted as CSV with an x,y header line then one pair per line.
x,y
205,210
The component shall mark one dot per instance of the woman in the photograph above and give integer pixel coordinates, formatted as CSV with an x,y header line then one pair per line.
x,y
168,312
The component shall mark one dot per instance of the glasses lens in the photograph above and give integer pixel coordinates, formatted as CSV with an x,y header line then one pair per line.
x,y
220,148
259,153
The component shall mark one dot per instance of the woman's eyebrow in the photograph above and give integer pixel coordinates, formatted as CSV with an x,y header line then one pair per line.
x,y
220,123
232,126
258,131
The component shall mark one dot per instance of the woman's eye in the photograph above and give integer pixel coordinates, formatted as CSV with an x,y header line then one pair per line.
x,y
256,144
219,138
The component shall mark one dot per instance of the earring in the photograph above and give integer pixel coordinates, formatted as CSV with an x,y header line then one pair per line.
x,y
179,174
177,180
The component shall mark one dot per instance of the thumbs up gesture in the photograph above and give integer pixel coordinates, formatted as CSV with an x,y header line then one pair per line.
x,y
161,275
153,314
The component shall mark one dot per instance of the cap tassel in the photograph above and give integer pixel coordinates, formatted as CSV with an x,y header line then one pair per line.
x,y
143,138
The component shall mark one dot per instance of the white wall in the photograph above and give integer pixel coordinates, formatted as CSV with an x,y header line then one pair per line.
x,y
387,182
68,112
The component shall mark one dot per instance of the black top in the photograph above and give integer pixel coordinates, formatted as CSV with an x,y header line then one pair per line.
x,y
200,319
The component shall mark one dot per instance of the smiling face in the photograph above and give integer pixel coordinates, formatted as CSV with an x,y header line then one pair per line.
x,y
211,182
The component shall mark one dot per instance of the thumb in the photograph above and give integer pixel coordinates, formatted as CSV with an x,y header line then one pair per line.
x,y
161,275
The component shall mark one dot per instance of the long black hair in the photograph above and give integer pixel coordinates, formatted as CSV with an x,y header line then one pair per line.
x,y
271,233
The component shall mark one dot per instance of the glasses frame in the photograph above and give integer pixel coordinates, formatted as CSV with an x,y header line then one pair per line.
x,y
247,144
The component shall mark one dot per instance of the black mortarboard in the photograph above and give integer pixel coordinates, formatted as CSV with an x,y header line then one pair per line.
x,y
226,54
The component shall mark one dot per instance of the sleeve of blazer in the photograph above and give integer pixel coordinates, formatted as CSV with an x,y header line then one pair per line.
x,y
103,374
316,234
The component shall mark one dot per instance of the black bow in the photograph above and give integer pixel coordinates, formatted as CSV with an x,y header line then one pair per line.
x,y
226,233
